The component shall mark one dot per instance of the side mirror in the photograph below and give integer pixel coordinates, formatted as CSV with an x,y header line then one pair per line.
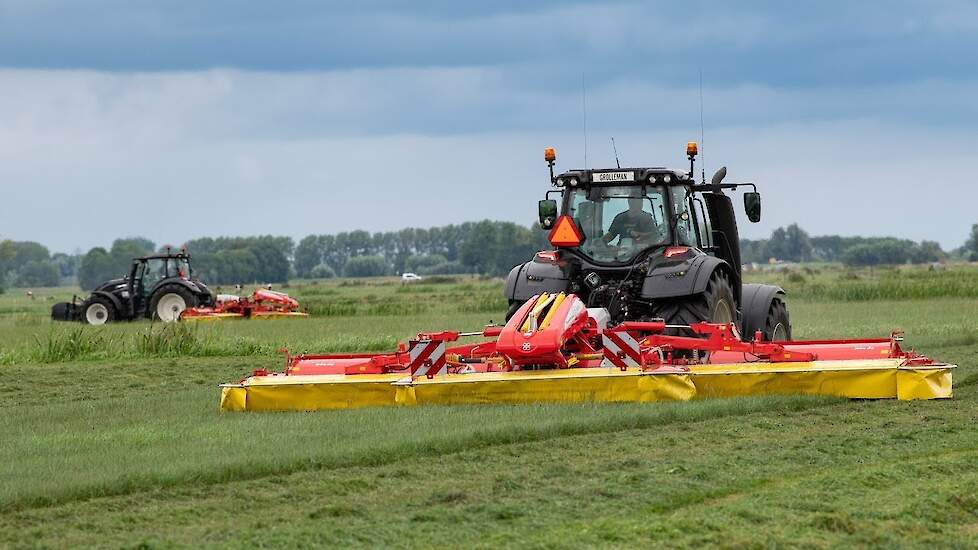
x,y
547,210
719,175
752,205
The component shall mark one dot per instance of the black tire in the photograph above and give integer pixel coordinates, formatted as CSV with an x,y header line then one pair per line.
x,y
777,325
167,294
62,311
98,310
514,305
716,304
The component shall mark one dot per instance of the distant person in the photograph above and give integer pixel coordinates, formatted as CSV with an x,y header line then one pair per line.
x,y
634,223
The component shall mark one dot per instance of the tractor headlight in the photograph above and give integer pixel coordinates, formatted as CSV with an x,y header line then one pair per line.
x,y
572,182
667,178
652,179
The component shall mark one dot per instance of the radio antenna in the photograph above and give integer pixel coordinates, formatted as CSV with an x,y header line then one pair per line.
x,y
584,116
702,134
616,151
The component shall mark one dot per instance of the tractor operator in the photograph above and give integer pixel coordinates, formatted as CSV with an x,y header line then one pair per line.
x,y
634,223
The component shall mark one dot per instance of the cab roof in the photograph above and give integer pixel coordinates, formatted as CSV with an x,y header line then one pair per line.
x,y
175,255
626,176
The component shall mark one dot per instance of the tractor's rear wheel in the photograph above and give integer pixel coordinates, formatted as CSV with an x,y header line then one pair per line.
x,y
777,325
716,304
170,301
98,311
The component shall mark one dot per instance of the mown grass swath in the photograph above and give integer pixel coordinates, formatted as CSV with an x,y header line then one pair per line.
x,y
157,443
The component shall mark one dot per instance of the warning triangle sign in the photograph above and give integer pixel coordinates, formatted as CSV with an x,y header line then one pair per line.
x,y
565,233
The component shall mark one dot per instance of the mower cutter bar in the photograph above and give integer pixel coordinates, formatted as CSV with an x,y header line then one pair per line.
x,y
552,349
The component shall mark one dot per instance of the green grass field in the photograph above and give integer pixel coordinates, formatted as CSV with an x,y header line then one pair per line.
x,y
112,437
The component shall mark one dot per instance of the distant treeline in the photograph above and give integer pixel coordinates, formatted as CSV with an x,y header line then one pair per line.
x,y
485,247
793,244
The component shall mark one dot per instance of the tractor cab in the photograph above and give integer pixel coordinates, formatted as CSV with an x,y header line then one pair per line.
x,y
149,271
613,216
633,211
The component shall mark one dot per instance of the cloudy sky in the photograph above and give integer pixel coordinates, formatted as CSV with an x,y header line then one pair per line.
x,y
177,119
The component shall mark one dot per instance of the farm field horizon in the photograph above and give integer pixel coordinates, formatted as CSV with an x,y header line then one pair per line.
x,y
113,437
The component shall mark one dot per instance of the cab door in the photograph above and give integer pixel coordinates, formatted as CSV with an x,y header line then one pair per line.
x,y
139,291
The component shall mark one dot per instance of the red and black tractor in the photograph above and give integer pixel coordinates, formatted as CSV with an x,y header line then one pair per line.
x,y
650,243
159,286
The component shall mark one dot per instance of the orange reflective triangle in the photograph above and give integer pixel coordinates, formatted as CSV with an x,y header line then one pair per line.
x,y
566,233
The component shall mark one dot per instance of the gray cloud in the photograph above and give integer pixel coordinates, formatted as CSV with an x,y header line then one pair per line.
x,y
232,104
854,118
768,43
231,152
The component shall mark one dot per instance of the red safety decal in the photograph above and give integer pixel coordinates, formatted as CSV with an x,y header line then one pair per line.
x,y
427,358
621,349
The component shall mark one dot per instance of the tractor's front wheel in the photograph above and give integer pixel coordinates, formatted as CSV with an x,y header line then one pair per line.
x,y
170,301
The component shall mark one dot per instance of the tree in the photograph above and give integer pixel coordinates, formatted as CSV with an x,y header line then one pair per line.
x,y
880,252
830,248
273,258
752,251
142,243
229,260
477,250
7,253
445,268
39,273
418,263
67,264
96,267
28,251
308,255
791,243
124,250
322,271
236,266
926,252
514,244
971,245
366,266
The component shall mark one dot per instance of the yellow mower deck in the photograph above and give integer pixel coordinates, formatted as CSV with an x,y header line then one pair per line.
x,y
864,379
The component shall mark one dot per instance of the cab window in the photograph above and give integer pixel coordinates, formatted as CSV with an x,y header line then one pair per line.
x,y
685,234
155,271
620,221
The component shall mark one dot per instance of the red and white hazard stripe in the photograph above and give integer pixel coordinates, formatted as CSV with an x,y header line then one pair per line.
x,y
427,358
621,349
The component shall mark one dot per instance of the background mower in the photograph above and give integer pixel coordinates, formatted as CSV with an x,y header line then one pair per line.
x,y
262,304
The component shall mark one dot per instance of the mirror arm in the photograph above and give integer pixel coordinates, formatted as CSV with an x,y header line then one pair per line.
x,y
716,188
